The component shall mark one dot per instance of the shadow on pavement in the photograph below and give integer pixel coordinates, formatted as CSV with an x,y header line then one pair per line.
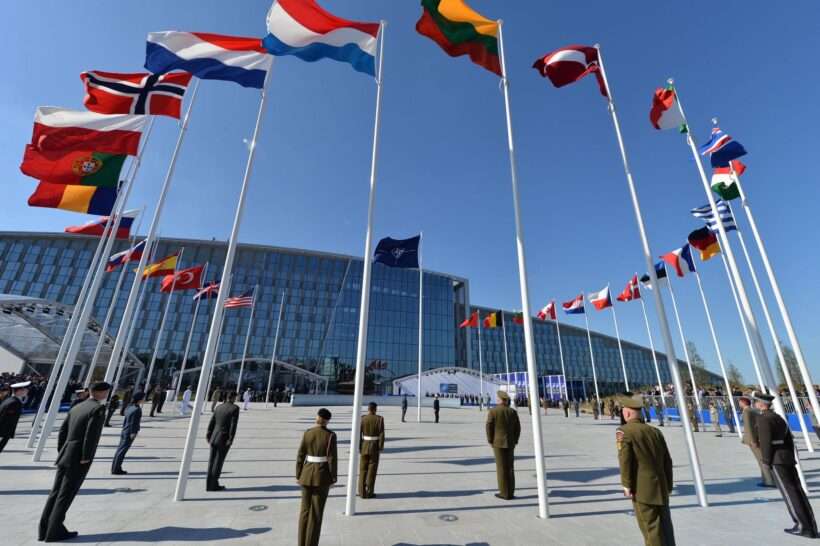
x,y
173,534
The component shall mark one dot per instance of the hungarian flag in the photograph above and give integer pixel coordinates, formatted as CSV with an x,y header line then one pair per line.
x,y
723,181
548,312
85,199
77,167
601,299
665,113
574,306
208,292
706,242
97,227
721,149
493,320
471,322
140,93
518,318
186,279
59,130
165,266
569,64
128,255
631,292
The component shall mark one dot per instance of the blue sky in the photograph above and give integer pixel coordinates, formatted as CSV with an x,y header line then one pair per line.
x,y
443,163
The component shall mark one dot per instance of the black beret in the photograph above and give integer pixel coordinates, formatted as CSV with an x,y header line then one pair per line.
x,y
101,386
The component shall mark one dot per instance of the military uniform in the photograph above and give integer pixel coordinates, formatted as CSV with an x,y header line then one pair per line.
x,y
221,432
503,430
646,471
403,408
316,471
10,411
750,439
372,444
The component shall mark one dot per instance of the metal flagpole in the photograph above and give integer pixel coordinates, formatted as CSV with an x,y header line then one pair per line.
x,y
364,309
685,348
122,359
190,335
275,346
128,313
778,296
216,322
421,332
743,322
247,340
529,340
560,350
660,310
620,347
652,348
480,362
592,360
162,322
507,356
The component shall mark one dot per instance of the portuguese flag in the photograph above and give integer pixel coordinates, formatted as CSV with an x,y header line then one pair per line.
x,y
78,168
461,31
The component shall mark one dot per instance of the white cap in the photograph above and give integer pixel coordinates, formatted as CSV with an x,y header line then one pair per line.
x,y
22,385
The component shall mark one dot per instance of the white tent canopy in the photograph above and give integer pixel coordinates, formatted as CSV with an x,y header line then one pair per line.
x,y
457,381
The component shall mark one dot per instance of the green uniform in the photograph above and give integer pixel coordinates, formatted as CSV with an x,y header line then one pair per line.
x,y
503,431
372,443
316,471
749,419
646,470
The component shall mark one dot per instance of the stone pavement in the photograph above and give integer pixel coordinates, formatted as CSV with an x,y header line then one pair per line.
x,y
435,487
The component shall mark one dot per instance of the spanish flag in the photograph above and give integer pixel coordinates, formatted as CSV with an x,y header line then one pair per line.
x,y
165,266
494,320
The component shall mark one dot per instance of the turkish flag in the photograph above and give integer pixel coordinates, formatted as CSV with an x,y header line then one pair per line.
x,y
186,279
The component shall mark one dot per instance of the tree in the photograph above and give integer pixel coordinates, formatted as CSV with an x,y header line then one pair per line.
x,y
735,377
791,365
698,365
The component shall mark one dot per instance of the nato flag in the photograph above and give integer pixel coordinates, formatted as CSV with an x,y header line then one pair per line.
x,y
402,253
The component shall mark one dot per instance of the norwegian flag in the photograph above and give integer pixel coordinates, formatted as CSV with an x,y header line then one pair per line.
x,y
245,300
208,292
548,312
138,93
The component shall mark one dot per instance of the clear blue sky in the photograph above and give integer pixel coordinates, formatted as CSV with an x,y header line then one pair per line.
x,y
443,164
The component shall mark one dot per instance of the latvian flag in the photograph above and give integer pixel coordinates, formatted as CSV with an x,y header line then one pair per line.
x,y
570,64
601,299
574,307
244,300
140,93
548,312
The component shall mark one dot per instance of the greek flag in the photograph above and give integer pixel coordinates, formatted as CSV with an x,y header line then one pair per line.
x,y
705,214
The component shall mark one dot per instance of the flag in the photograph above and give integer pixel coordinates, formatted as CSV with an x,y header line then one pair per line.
x,y
723,182
601,299
569,64
85,199
59,130
706,242
209,56
165,266
97,227
575,306
140,93
705,214
128,255
660,273
403,253
494,319
459,30
79,168
243,300
518,318
631,292
547,312
304,29
471,322
721,149
208,292
681,260
665,113
186,279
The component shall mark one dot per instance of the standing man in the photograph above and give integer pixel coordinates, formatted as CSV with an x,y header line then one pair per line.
x,y
316,471
776,443
81,396
113,406
403,407
503,430
77,444
714,416
646,473
436,407
215,398
185,404
577,407
565,405
221,432
659,409
372,444
246,399
647,413
126,398
156,399
130,428
749,418
10,410
163,395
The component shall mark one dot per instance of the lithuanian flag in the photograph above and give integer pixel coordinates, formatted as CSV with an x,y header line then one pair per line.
x,y
494,320
461,31
165,266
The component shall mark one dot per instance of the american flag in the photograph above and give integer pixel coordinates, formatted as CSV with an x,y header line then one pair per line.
x,y
244,300
208,291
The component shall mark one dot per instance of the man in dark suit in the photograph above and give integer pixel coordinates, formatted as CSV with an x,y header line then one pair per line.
x,y
126,398
403,407
221,432
156,399
436,407
130,428
10,411
77,444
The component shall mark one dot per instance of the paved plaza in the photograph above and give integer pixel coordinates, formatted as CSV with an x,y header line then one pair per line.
x,y
435,487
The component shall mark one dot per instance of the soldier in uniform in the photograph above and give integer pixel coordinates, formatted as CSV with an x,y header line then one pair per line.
x,y
372,444
776,443
156,398
503,430
659,409
221,433
10,410
77,444
403,407
130,428
436,407
316,471
749,418
646,473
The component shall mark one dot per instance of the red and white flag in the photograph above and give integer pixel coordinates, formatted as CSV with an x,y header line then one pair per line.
x,y
186,279
243,300
548,312
569,64
140,93
61,130
601,299
631,292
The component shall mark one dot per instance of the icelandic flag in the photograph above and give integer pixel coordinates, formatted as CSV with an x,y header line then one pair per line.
x,y
304,29
209,56
403,253
575,306
601,299
681,260
721,149
128,255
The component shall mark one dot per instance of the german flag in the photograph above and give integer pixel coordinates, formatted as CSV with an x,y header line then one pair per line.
x,y
706,242
494,320
165,266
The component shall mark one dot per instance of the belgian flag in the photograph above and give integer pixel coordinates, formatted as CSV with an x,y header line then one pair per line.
x,y
494,319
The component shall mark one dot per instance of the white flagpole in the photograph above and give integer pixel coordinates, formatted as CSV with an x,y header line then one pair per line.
x,y
128,313
158,343
122,359
184,363
421,333
216,322
660,310
275,346
529,339
778,296
592,360
560,350
618,337
247,340
507,355
685,348
480,362
652,348
364,308
743,322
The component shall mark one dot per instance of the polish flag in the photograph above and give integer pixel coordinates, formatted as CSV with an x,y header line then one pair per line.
x,y
62,130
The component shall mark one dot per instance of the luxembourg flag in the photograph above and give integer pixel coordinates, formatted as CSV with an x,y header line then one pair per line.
x,y
681,260
304,29
575,306
601,299
209,56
